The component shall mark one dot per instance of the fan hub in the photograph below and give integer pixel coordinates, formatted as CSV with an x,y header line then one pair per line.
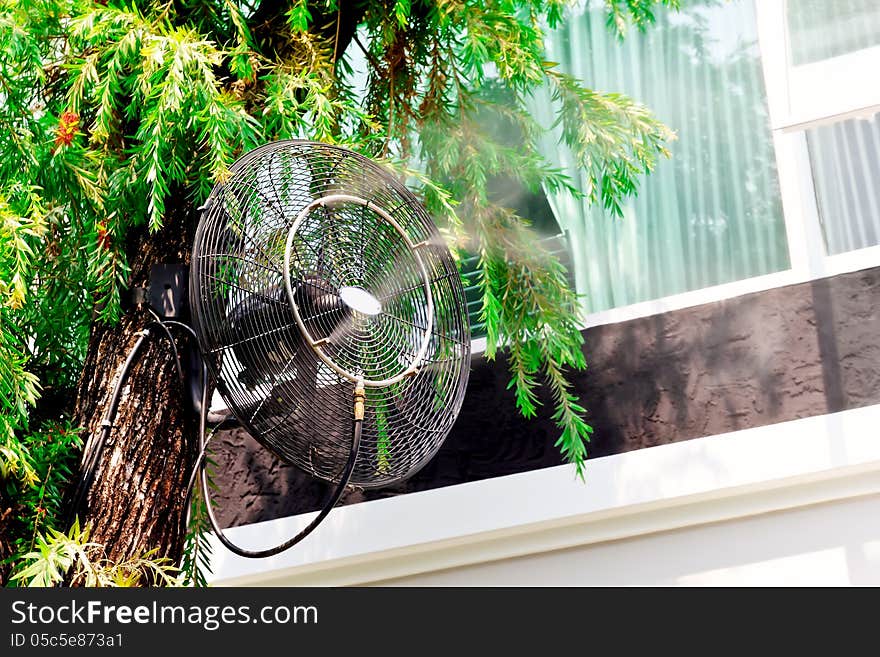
x,y
360,300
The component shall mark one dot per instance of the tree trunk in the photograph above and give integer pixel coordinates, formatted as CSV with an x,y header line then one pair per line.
x,y
135,500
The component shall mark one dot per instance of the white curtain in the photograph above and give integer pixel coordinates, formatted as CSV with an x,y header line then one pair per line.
x,y
820,29
845,159
712,213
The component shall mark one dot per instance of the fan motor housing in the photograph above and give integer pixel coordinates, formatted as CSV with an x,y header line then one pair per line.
x,y
315,270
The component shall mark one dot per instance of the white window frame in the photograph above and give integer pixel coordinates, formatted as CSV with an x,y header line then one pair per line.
x,y
819,92
803,97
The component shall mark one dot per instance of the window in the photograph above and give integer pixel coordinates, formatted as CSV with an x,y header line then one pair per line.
x,y
773,178
712,213
845,165
822,55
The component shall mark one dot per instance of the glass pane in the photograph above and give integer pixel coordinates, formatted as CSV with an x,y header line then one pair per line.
x,y
821,29
845,158
712,213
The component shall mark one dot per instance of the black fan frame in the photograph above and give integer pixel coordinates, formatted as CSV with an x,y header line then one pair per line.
x,y
461,317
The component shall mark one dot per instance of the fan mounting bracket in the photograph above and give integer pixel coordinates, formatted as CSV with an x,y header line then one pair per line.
x,y
168,290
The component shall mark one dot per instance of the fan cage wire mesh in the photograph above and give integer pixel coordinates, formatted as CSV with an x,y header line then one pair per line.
x,y
274,382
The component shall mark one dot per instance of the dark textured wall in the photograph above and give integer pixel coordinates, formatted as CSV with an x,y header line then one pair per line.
x,y
761,358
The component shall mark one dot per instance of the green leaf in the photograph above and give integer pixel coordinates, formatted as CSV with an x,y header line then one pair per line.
x,y
298,16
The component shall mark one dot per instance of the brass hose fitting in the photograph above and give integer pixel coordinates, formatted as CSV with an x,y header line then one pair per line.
x,y
359,396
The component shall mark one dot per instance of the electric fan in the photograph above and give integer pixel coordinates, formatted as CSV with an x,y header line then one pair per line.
x,y
330,316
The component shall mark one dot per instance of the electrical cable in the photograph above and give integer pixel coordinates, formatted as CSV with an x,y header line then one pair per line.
x,y
94,448
197,467
170,337
218,420
187,327
92,452
187,495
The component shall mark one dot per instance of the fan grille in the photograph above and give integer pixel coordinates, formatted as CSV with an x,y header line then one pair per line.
x,y
388,327
371,292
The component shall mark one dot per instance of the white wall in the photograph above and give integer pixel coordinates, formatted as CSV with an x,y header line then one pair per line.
x,y
836,544
792,503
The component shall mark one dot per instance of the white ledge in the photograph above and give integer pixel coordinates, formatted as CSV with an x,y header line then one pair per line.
x,y
733,475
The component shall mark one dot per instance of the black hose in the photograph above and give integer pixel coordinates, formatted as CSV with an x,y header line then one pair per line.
x,y
196,469
94,448
328,505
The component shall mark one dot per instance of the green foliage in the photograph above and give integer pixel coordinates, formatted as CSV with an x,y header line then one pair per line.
x,y
21,226
383,444
34,472
196,563
298,16
52,454
638,12
70,557
114,115
614,138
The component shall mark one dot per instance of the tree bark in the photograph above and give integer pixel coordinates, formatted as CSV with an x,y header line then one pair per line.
x,y
135,500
